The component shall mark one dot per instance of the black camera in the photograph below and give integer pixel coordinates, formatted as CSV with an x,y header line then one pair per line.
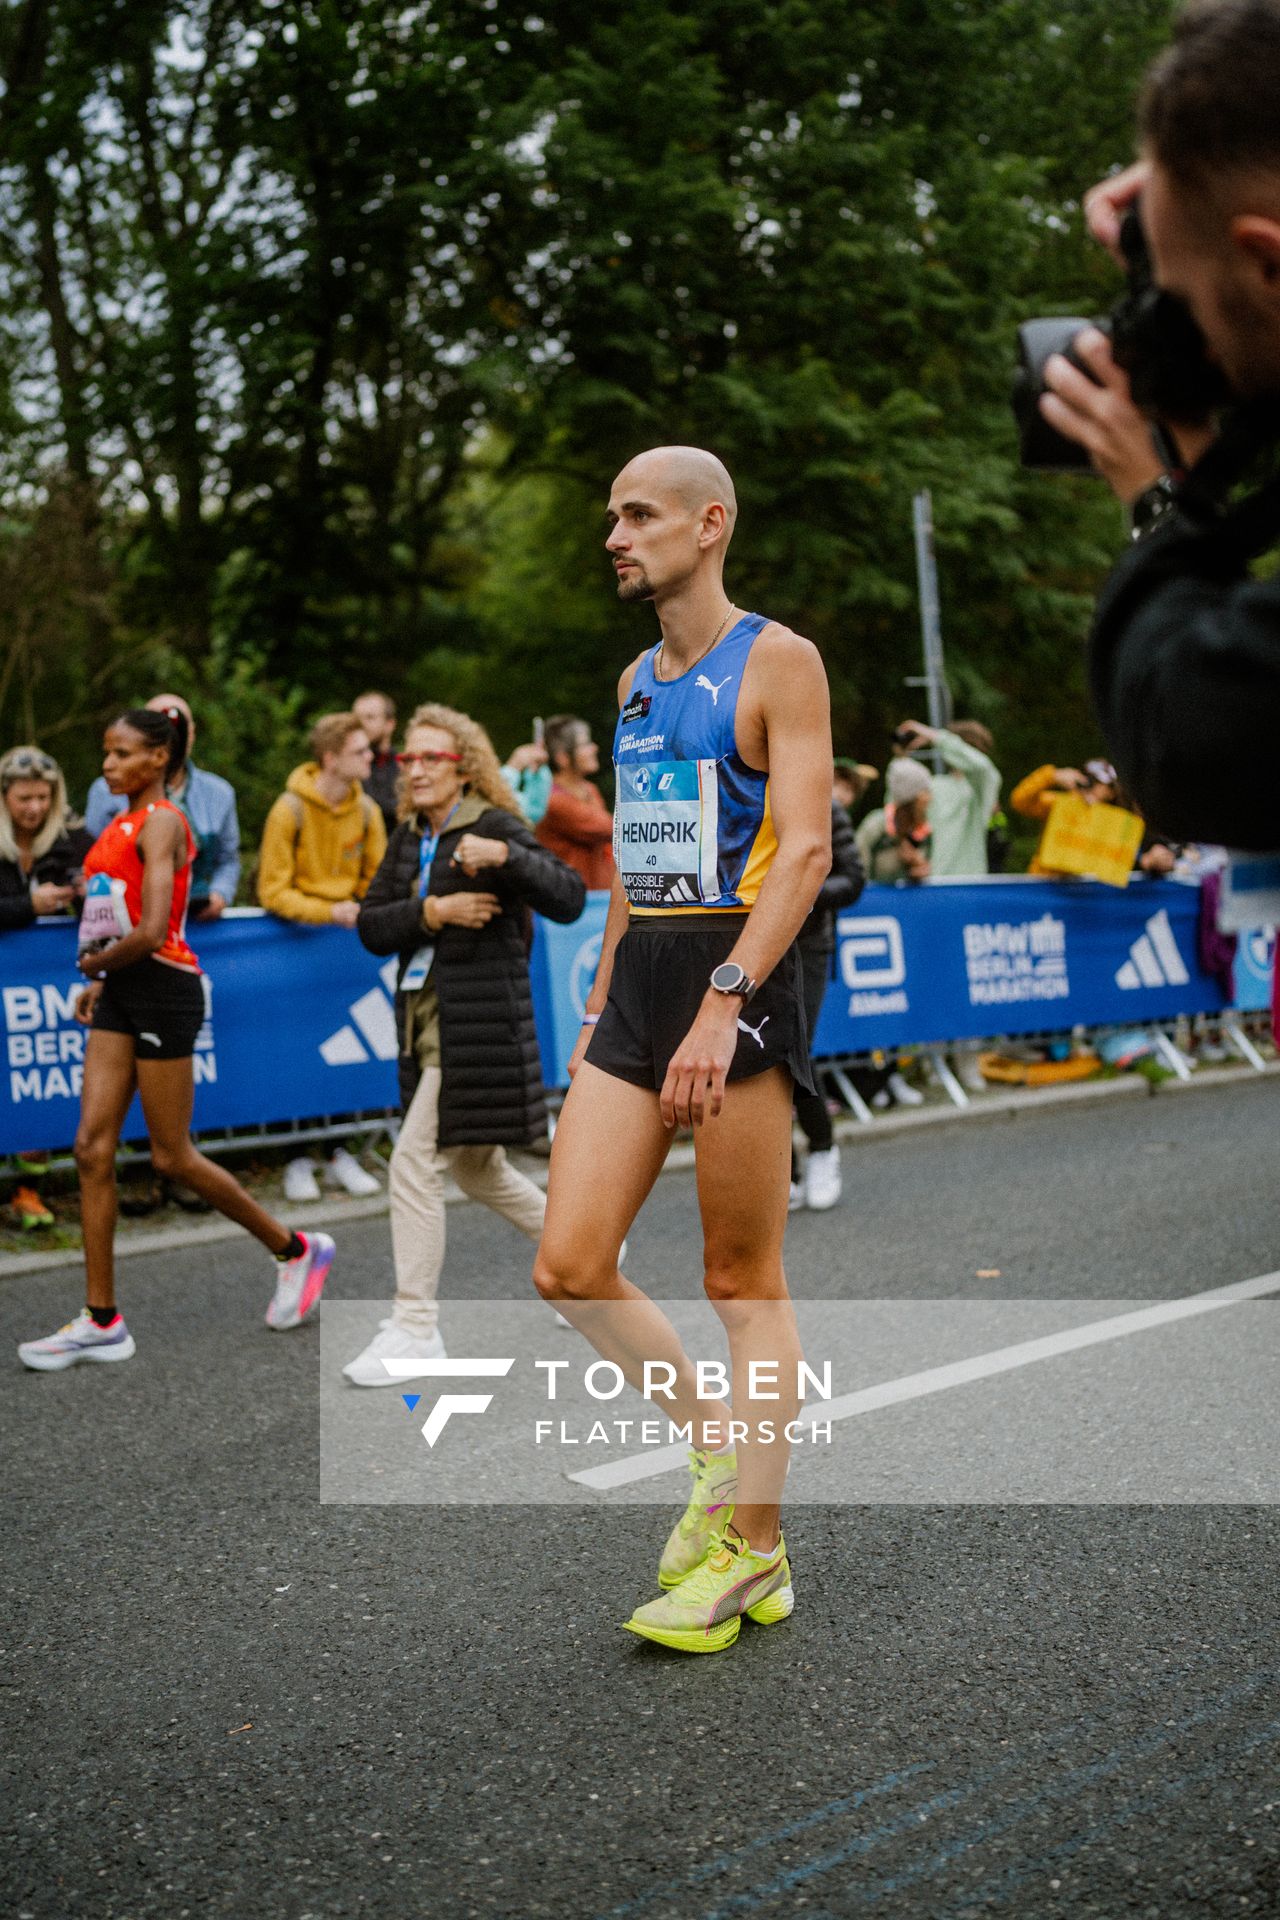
x,y
1154,339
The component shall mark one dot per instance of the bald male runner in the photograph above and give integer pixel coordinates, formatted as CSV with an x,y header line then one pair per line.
x,y
722,838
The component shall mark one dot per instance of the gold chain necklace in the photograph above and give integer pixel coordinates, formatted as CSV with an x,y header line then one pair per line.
x,y
662,646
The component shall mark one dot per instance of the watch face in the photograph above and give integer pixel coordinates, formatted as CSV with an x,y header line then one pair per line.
x,y
728,977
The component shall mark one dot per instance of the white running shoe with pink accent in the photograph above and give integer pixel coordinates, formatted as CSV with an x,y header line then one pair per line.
x,y
81,1339
300,1282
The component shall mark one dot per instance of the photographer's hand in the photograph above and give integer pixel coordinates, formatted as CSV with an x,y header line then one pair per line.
x,y
1106,205
1102,419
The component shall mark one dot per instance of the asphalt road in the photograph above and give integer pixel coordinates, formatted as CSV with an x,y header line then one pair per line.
x,y
222,1697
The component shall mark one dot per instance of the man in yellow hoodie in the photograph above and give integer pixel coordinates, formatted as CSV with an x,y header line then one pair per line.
x,y
324,838
322,844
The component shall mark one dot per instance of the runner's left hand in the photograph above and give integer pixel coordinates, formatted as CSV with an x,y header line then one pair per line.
x,y
86,1000
693,1090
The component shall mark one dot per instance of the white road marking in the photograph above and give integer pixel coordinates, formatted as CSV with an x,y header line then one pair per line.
x,y
960,1373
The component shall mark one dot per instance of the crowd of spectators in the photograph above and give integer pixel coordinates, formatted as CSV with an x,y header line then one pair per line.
x,y
935,815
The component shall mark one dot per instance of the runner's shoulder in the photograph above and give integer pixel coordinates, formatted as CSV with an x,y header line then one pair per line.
x,y
628,676
780,653
161,823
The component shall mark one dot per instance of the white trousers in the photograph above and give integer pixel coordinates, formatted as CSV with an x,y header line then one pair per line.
x,y
418,1169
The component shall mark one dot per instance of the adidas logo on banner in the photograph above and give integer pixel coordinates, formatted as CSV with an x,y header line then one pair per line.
x,y
374,1015
1154,960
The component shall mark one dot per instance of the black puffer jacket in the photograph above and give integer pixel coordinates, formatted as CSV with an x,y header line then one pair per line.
x,y
491,1071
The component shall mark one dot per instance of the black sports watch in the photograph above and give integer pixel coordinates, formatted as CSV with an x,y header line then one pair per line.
x,y
1151,506
729,978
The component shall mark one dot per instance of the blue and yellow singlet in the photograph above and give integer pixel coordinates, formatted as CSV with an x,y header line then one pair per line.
x,y
691,826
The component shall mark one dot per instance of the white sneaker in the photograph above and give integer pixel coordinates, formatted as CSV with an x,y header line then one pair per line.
x,y
822,1183
300,1181
391,1343
796,1201
969,1073
81,1339
344,1170
903,1092
300,1282
880,1099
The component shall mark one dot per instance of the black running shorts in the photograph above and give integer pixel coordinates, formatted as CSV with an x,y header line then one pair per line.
x,y
660,973
161,1008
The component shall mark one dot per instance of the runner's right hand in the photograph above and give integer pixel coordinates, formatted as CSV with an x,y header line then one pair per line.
x,y
580,1046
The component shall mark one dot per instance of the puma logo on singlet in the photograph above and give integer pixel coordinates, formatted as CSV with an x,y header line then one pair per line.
x,y
714,691
755,1032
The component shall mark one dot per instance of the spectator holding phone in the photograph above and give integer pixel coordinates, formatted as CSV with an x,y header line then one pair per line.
x,y
42,850
42,843
528,774
964,797
894,840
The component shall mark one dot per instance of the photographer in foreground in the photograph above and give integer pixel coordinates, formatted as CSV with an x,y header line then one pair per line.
x,y
1185,652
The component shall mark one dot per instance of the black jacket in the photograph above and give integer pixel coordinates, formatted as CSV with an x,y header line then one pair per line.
x,y
1185,667
841,887
64,858
381,787
491,1091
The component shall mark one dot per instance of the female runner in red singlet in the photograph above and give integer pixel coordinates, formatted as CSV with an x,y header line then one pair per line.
x,y
144,1008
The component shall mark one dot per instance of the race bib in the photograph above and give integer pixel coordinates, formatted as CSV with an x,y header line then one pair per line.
x,y
666,833
106,916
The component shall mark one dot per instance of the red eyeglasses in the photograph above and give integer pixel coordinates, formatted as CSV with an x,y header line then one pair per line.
x,y
427,759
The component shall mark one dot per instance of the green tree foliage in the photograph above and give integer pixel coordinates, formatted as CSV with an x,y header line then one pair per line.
x,y
324,327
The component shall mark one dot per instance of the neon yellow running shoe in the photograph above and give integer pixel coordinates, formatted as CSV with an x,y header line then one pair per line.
x,y
704,1613
710,1509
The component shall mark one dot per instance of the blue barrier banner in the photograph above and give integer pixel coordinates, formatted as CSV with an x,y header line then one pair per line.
x,y
1255,966
303,1023
302,1026
961,960
562,966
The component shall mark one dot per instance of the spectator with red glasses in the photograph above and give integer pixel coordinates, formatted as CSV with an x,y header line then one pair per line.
x,y
452,899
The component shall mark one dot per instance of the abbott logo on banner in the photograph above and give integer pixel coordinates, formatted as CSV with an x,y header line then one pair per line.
x,y
1154,960
873,964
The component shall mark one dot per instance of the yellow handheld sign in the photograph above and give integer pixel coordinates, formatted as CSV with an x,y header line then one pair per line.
x,y
1099,841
